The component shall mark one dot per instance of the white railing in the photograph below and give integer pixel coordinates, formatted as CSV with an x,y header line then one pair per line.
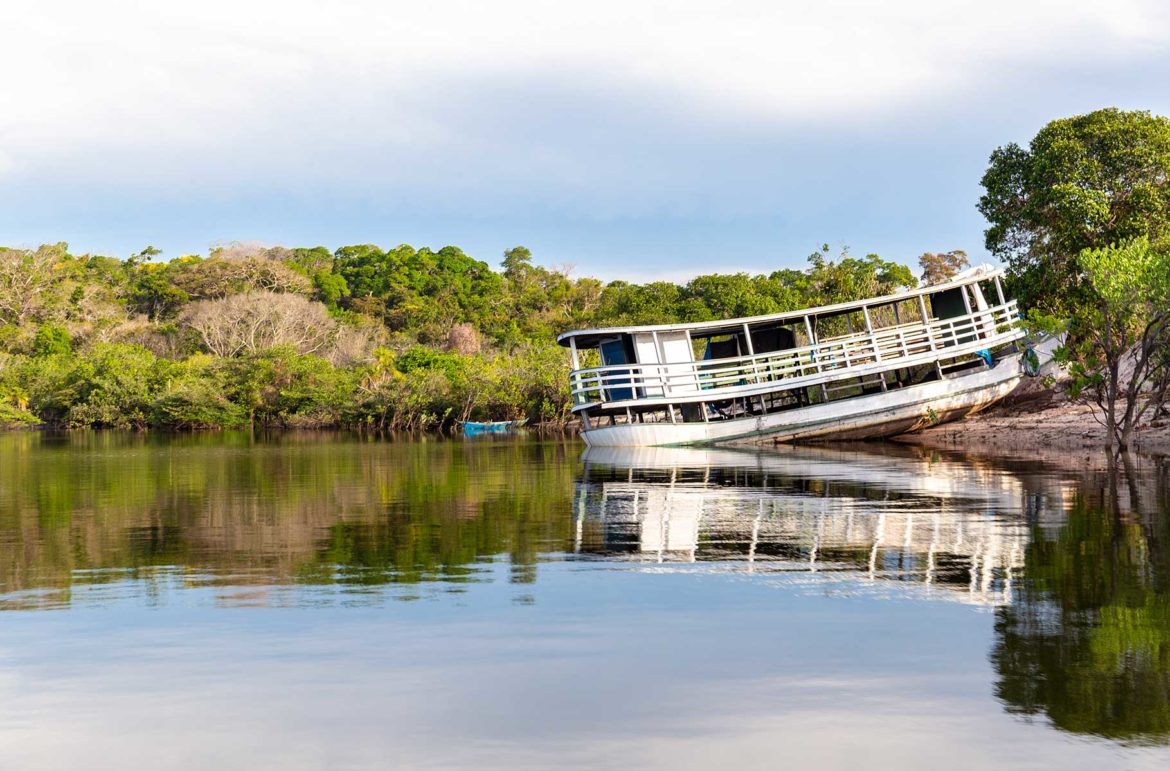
x,y
835,359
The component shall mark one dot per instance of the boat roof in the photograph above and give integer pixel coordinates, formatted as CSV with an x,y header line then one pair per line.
x,y
589,338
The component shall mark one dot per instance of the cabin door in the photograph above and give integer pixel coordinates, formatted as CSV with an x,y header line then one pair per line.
x,y
678,357
617,387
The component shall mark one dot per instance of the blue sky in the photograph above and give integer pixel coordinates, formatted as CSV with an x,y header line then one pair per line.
x,y
630,139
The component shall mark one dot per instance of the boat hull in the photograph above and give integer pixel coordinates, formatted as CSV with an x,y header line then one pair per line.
x,y
887,414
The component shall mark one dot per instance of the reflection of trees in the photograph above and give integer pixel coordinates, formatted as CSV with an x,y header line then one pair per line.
x,y
89,507
1088,642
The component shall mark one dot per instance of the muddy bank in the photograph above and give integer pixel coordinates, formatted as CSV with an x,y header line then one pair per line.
x,y
1037,419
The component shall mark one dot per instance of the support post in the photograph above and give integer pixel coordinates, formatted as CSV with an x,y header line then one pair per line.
x,y
812,340
694,363
747,336
926,320
659,368
877,354
574,381
1002,303
971,321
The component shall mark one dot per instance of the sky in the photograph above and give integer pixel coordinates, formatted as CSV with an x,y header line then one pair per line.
x,y
635,140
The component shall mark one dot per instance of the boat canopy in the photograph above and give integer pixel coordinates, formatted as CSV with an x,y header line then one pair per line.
x,y
592,338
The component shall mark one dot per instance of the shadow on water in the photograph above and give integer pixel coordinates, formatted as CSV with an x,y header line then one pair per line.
x,y
1071,562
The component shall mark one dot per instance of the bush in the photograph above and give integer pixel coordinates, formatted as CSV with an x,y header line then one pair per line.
x,y
282,387
195,399
51,340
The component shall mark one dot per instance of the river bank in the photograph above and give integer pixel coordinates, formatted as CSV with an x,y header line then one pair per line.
x,y
1037,418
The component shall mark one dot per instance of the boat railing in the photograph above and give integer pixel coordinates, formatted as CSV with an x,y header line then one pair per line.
x,y
839,358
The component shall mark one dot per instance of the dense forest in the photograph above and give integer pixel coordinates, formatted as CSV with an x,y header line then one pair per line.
x,y
400,338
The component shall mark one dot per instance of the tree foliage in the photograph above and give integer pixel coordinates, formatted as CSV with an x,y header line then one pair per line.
x,y
1082,183
1117,352
401,338
938,267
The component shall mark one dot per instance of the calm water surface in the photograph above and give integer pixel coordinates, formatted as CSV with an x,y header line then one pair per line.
x,y
314,601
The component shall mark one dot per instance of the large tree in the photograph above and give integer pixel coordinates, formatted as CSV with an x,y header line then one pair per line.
x,y
1084,182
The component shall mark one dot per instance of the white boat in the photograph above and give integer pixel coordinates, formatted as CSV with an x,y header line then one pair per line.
x,y
871,368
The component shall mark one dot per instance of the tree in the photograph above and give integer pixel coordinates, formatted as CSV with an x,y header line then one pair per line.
x,y
472,340
942,266
517,263
625,303
221,276
464,339
331,288
1117,351
848,278
26,277
51,340
154,294
255,321
1083,183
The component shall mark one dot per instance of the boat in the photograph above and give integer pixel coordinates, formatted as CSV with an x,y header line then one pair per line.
x,y
866,369
491,426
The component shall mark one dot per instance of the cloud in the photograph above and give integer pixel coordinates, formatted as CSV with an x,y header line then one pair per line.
x,y
222,75
534,112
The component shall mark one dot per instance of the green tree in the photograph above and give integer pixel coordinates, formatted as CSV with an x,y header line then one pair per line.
x,y
331,288
152,292
51,340
848,278
1083,183
517,263
1121,334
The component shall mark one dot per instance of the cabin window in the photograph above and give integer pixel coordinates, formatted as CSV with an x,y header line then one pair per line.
x,y
951,304
775,339
726,347
948,304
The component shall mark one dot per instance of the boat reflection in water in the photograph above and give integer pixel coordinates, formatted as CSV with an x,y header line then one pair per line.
x,y
893,514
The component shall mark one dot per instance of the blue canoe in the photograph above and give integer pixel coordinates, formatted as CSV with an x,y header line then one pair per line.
x,y
495,426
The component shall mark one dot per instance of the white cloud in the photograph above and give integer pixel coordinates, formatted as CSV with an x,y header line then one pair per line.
x,y
215,74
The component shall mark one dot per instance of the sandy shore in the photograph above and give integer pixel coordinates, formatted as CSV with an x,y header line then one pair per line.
x,y
1037,418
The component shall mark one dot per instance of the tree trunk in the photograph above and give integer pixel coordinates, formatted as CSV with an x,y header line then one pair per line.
x,y
1111,405
1126,434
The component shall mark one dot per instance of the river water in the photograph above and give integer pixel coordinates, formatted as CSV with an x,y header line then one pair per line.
x,y
312,601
